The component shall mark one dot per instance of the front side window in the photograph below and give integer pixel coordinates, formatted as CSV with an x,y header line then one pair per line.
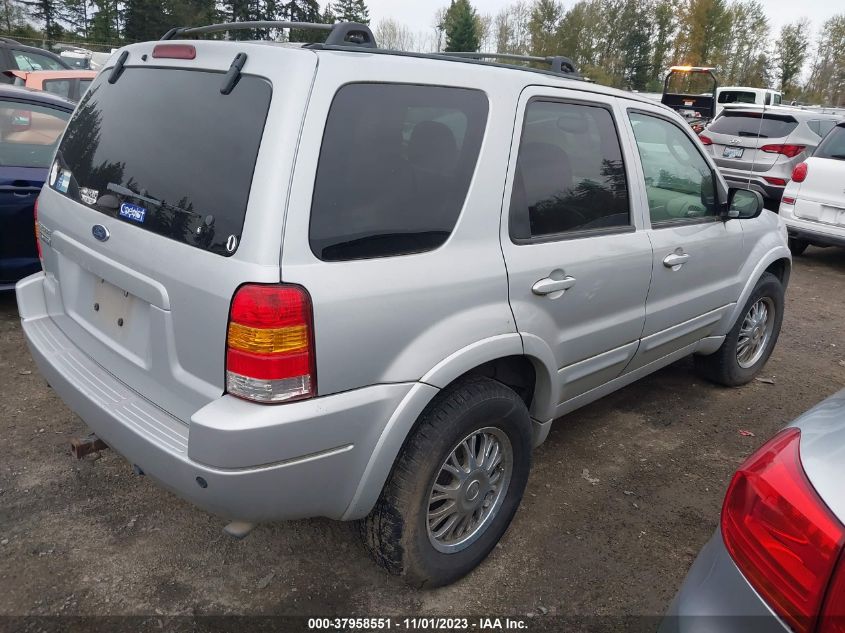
x,y
27,60
59,87
394,169
29,134
569,173
679,183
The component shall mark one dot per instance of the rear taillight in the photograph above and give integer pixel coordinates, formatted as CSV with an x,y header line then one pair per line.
x,y
779,532
705,140
37,231
787,150
270,344
780,182
799,174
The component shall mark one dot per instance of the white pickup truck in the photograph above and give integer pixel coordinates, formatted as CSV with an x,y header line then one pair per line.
x,y
746,95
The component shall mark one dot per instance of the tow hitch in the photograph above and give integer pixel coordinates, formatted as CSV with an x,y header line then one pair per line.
x,y
80,447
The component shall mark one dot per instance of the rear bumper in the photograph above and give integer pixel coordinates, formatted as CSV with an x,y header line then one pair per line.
x,y
812,232
746,180
236,459
716,598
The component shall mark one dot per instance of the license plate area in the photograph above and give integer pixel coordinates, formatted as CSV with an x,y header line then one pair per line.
x,y
111,308
732,152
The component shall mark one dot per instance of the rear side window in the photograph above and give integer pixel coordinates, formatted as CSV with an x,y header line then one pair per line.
x,y
29,134
754,124
395,167
737,96
821,127
163,149
569,172
833,145
59,87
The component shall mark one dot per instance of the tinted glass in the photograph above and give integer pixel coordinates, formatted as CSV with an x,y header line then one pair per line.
x,y
833,145
394,170
83,85
679,182
29,133
168,142
59,87
753,124
821,127
569,172
26,60
736,96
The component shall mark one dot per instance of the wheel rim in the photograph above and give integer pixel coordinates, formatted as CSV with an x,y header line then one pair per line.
x,y
755,332
469,489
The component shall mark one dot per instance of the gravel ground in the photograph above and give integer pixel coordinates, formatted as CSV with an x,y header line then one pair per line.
x,y
622,496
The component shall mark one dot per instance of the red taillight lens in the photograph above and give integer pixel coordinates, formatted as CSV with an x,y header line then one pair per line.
x,y
174,51
780,182
705,140
833,614
37,231
787,150
787,200
779,532
270,344
799,174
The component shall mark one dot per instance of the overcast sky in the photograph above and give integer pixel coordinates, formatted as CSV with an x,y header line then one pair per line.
x,y
418,15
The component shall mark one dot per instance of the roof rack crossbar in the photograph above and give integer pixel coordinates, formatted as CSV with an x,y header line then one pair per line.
x,y
340,34
557,63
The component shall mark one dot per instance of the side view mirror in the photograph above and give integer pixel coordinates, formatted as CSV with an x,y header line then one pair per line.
x,y
744,204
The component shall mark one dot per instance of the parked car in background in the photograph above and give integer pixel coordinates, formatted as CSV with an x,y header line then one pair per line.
x,y
757,147
776,564
16,56
31,124
364,283
743,95
813,203
70,84
78,58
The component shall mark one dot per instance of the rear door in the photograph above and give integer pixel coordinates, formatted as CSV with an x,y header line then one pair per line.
x,y
165,196
697,256
29,134
578,259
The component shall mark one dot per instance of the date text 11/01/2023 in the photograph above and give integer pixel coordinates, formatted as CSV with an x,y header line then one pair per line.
x,y
482,624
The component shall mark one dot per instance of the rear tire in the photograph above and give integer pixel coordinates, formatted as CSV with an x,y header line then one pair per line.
x,y
797,247
750,342
401,533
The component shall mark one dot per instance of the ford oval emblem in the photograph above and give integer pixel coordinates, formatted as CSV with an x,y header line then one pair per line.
x,y
100,232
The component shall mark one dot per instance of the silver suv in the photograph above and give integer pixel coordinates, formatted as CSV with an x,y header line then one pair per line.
x,y
346,282
757,147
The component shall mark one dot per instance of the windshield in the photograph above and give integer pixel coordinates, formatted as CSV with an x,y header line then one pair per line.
x,y
164,149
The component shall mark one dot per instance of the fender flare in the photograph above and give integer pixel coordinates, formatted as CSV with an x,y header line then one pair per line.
x,y
771,256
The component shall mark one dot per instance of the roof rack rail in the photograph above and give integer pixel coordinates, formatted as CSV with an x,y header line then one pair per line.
x,y
340,33
557,63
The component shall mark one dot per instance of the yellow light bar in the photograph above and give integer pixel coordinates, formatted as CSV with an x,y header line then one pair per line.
x,y
268,340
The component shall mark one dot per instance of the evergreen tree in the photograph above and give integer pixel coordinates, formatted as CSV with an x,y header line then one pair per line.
x,y
105,23
77,17
329,16
48,12
145,20
461,27
352,11
303,11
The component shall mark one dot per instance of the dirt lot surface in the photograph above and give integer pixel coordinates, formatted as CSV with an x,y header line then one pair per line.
x,y
621,498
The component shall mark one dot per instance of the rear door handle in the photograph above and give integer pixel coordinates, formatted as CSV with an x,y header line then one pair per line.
x,y
549,286
675,260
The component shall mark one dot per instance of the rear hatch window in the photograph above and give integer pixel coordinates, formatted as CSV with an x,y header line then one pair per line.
x,y
165,150
754,124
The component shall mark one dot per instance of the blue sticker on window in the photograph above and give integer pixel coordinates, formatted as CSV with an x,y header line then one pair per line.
x,y
63,181
133,212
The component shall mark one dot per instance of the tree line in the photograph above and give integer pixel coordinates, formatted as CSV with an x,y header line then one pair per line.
x,y
623,43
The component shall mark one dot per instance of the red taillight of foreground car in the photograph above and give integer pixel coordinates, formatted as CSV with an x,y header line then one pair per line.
x,y
787,150
799,174
705,140
37,231
270,344
780,182
780,533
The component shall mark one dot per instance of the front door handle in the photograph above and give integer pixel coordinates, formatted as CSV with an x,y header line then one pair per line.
x,y
675,260
549,286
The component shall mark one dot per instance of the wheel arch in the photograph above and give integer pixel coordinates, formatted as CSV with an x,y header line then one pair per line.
x,y
777,261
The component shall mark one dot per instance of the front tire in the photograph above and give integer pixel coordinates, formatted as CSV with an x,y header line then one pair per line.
x,y
750,342
456,485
